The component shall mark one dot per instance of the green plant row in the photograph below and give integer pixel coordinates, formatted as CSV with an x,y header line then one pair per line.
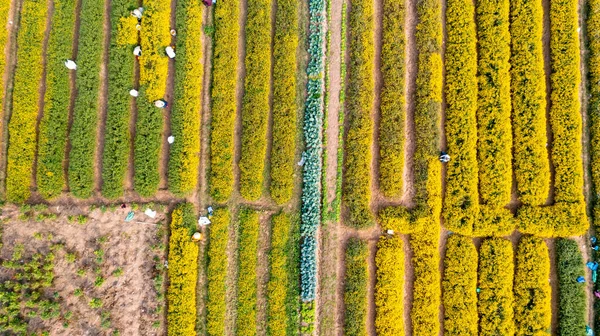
x,y
283,151
4,36
528,85
52,138
461,206
255,106
532,288
355,288
247,284
496,275
154,37
428,102
359,104
183,272
392,106
593,45
389,288
571,294
282,290
28,74
223,98
82,135
216,272
184,153
115,158
459,287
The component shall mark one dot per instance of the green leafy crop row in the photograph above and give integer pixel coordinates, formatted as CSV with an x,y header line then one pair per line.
x,y
389,288
392,108
571,294
496,275
183,272
216,272
52,139
285,45
28,74
185,116
528,86
247,282
459,286
462,196
223,98
282,290
4,36
355,288
532,287
85,112
359,104
154,37
120,80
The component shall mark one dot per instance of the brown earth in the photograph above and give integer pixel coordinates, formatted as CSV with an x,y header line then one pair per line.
x,y
548,71
129,298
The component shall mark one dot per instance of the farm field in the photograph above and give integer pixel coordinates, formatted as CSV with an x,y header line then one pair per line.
x,y
311,136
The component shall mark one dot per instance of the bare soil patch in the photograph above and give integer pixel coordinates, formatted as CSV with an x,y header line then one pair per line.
x,y
103,246
548,72
375,112
411,67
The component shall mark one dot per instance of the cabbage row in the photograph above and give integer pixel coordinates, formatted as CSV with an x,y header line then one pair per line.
x,y
313,123
571,294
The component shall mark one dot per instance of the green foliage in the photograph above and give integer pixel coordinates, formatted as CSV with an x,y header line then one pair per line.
x,y
528,87
223,99
216,272
355,288
183,272
52,139
392,106
85,112
282,289
255,106
462,195
571,294
496,275
285,45
389,288
27,77
95,303
459,286
185,116
120,80
532,288
359,105
247,281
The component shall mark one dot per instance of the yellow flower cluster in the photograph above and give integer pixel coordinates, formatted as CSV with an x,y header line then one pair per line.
x,y
392,106
184,153
283,151
183,272
389,288
223,98
532,288
459,287
26,94
359,104
593,36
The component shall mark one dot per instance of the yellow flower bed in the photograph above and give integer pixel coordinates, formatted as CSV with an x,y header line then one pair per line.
x,y
216,272
389,288
223,98
183,272
28,74
496,274
528,85
247,281
359,104
355,288
283,151
593,36
4,10
459,287
462,195
392,106
52,138
185,116
532,288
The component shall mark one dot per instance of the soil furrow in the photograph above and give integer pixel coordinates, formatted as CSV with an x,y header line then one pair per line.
x,y
411,67
103,101
376,195
548,72
239,96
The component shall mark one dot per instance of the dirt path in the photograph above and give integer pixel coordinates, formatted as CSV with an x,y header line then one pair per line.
x,y
442,252
239,96
72,81
128,183
548,72
103,101
551,243
232,273
409,279
376,195
262,273
411,67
